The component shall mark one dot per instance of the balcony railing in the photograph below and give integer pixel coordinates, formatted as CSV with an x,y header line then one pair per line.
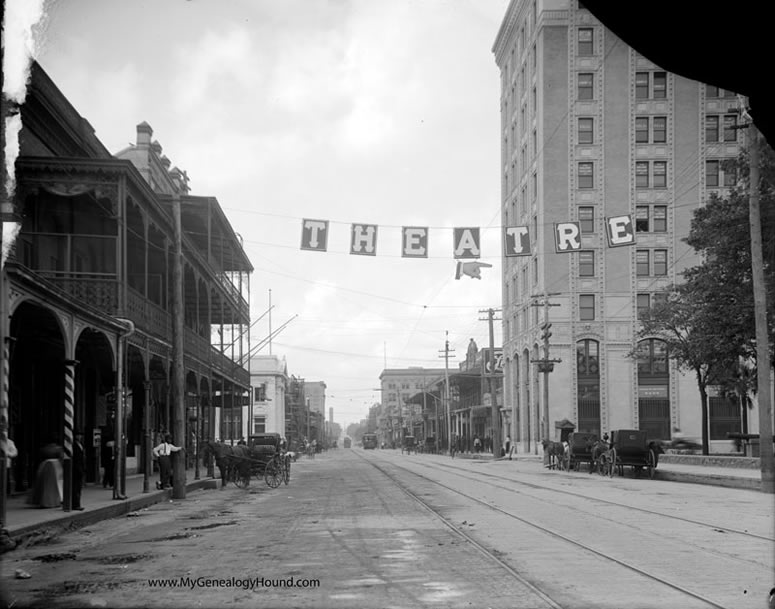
x,y
98,292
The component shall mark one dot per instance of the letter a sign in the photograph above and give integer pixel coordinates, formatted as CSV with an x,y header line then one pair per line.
x,y
466,243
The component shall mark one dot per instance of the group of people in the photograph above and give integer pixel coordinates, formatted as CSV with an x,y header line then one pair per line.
x,y
47,488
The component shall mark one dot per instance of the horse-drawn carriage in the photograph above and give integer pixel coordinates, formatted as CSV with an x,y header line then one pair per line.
x,y
430,445
263,457
631,447
581,447
409,445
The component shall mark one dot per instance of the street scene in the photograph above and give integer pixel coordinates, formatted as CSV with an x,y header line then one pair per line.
x,y
392,303
375,528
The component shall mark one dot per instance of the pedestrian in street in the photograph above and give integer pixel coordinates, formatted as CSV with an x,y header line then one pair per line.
x,y
163,452
11,453
477,444
508,446
79,466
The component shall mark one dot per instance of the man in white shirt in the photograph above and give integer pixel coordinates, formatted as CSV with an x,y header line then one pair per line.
x,y
10,453
163,452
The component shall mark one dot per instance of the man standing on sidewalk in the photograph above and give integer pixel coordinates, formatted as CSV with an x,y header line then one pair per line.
x,y
163,452
79,466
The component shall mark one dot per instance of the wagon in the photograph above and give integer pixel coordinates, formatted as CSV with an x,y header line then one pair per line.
x,y
580,444
430,445
631,447
409,445
264,458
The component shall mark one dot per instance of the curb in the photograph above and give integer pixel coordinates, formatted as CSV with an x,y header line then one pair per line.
x,y
32,533
752,484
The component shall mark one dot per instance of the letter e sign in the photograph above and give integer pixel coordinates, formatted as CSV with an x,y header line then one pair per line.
x,y
620,231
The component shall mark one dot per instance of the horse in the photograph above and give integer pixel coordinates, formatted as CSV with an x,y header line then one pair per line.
x,y
228,458
596,448
556,452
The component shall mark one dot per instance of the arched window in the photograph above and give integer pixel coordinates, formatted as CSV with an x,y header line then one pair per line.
x,y
588,385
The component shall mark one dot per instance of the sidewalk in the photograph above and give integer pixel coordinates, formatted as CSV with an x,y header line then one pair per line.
x,y
730,472
25,522
709,471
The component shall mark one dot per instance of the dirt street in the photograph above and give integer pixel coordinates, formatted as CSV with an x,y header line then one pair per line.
x,y
379,529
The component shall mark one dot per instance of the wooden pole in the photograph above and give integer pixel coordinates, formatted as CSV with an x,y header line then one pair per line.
x,y
767,459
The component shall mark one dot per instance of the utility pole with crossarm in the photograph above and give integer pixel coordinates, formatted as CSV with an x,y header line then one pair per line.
x,y
546,364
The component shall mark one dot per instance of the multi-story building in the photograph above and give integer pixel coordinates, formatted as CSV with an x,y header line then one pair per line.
x,y
590,131
91,284
297,420
397,410
315,392
268,378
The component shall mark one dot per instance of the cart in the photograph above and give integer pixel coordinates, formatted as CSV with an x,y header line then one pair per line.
x,y
631,448
409,445
580,450
264,459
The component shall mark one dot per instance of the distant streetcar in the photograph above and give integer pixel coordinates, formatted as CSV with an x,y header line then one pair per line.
x,y
348,443
369,440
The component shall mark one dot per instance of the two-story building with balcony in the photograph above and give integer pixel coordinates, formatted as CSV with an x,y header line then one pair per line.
x,y
104,242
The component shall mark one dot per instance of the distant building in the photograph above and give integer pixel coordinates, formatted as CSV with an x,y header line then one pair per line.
x,y
397,410
268,380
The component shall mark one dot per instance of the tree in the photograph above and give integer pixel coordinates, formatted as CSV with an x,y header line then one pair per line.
x,y
708,319
696,340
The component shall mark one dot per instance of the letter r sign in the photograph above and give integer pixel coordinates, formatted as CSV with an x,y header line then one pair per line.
x,y
567,237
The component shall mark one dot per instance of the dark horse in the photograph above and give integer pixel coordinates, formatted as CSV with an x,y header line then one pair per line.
x,y
228,458
596,448
556,452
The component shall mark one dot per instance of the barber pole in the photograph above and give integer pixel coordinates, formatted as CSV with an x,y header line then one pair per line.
x,y
68,437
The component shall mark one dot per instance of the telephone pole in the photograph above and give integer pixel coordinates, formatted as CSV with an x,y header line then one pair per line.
x,y
497,439
546,364
766,457
446,355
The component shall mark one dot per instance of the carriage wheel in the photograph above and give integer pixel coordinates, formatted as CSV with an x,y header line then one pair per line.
x,y
242,477
273,475
652,464
613,464
601,464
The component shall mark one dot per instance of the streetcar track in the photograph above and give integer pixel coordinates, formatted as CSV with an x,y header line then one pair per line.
x,y
715,527
593,514
481,548
545,530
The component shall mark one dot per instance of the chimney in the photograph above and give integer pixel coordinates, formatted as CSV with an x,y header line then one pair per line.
x,y
156,147
144,133
165,162
180,179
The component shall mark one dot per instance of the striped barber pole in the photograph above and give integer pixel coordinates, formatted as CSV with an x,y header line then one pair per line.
x,y
4,388
69,407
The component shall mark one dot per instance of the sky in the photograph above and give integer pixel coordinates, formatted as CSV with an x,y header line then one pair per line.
x,y
383,112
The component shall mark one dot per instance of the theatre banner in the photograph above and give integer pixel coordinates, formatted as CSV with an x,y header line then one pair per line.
x,y
466,242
